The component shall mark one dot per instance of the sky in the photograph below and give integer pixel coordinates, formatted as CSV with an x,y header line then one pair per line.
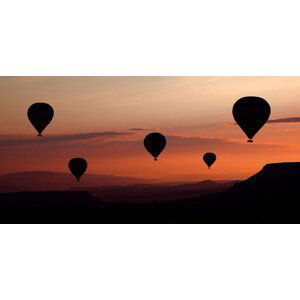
x,y
105,119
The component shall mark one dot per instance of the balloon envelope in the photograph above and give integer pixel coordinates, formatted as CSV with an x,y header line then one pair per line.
x,y
77,167
209,158
155,143
251,113
40,115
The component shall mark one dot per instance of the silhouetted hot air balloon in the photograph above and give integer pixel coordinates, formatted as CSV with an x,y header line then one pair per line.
x,y
155,143
209,158
40,115
251,113
77,167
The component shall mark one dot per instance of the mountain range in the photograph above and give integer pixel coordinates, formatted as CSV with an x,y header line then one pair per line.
x,y
54,181
269,196
161,192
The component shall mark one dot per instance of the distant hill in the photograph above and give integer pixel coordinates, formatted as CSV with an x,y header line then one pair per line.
x,y
270,196
54,181
140,193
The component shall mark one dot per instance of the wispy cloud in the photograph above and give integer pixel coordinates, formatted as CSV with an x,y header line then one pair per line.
x,y
119,143
282,120
285,120
143,129
17,141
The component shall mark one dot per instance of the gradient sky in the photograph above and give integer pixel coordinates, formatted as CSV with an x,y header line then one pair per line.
x,y
105,119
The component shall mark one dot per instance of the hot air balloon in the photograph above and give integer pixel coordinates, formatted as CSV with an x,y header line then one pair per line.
x,y
77,167
155,143
40,115
209,158
251,113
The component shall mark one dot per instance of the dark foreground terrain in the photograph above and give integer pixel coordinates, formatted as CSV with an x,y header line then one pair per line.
x,y
270,196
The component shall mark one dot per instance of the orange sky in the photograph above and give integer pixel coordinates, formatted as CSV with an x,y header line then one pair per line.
x,y
105,119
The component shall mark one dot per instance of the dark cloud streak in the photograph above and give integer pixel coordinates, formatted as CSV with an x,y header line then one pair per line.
x,y
278,121
285,120
142,129
17,141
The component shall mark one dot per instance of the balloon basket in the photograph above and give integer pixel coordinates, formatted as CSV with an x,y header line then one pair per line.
x,y
250,141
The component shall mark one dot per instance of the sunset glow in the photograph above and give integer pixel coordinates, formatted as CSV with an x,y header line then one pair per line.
x,y
105,119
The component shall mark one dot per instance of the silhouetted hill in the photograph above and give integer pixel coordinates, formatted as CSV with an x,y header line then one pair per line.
x,y
270,196
46,207
273,176
49,181
141,193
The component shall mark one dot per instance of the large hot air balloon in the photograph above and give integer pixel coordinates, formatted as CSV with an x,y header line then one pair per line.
x,y
251,113
77,167
40,115
209,158
155,143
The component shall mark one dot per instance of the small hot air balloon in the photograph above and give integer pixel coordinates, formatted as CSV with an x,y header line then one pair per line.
x,y
40,115
155,143
209,158
251,113
77,167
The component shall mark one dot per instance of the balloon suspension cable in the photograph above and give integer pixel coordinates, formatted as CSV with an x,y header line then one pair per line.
x,y
209,168
78,180
39,134
250,141
155,159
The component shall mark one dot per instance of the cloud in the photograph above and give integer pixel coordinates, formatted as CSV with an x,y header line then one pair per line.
x,y
17,141
188,139
181,144
285,120
143,129
278,121
120,144
85,136
178,143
